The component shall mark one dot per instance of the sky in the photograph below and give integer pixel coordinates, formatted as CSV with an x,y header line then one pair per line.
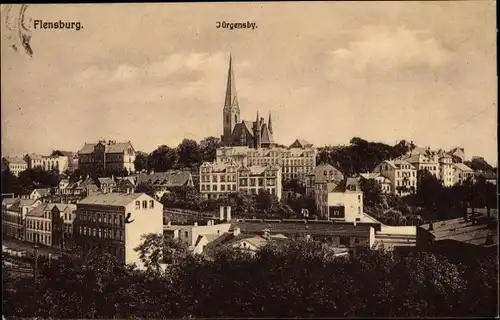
x,y
327,71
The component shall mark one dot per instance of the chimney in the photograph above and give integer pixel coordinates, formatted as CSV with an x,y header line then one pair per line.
x,y
196,224
221,213
236,232
228,213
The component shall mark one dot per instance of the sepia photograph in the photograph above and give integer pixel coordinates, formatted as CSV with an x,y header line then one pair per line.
x,y
205,160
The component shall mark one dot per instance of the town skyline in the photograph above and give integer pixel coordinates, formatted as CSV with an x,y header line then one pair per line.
x,y
175,89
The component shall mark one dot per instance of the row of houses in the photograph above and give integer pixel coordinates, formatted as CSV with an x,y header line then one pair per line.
x,y
111,222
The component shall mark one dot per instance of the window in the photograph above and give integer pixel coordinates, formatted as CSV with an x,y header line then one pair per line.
x,y
99,217
105,218
137,205
121,220
99,233
145,204
151,204
186,234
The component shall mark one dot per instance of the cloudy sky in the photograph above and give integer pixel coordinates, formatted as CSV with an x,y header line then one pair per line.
x,y
156,73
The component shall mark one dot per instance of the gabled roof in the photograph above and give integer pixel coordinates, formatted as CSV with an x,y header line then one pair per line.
x,y
15,160
117,147
111,199
462,167
300,143
174,178
266,135
43,191
106,180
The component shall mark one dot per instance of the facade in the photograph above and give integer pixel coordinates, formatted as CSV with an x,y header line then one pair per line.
x,y
237,132
110,156
38,225
115,222
164,181
220,179
344,203
47,163
14,215
317,180
295,163
446,172
401,173
63,217
39,193
385,183
462,173
106,184
426,160
14,164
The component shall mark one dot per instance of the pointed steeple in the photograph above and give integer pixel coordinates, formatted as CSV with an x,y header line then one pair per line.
x,y
270,124
257,120
231,86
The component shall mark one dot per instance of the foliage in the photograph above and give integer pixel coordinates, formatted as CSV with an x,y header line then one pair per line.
x,y
57,153
479,164
372,193
162,159
299,278
10,183
145,188
208,148
38,178
141,161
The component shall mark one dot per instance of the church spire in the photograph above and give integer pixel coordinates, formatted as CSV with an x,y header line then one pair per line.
x,y
231,86
270,124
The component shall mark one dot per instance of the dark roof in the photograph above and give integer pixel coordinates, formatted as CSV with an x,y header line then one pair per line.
x,y
174,178
118,147
465,231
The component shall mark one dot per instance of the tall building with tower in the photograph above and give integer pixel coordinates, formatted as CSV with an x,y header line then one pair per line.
x,y
236,132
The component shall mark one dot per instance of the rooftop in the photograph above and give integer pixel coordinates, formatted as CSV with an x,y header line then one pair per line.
x,y
111,199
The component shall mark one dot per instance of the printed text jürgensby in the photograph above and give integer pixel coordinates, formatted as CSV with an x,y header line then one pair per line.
x,y
235,25
54,25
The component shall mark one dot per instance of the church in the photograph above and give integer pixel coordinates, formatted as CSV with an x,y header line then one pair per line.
x,y
236,132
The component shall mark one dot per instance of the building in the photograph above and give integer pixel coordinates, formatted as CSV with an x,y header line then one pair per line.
x,y
323,174
15,165
295,163
344,202
196,236
47,163
14,214
300,143
39,193
115,223
237,132
469,237
423,159
401,173
462,173
446,172
106,184
50,224
220,179
457,154
488,176
385,183
110,156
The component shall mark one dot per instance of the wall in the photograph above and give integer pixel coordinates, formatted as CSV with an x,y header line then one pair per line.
x,y
146,221
352,202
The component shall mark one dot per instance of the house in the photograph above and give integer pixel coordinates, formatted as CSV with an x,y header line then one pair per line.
x,y
165,181
462,173
38,225
344,202
39,193
107,184
14,214
190,234
384,182
47,163
116,222
317,180
401,173
63,218
107,156
457,154
15,165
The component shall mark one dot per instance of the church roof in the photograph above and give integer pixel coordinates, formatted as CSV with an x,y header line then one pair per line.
x,y
266,135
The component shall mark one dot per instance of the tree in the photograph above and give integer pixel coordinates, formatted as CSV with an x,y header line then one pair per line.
x,y
157,249
208,147
141,161
372,193
145,188
10,183
57,153
162,159
479,164
190,155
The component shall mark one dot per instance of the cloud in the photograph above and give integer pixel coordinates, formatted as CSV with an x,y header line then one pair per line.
x,y
383,50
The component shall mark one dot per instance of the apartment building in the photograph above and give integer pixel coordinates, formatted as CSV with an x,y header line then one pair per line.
x,y
58,163
423,160
344,202
14,214
384,182
107,156
401,173
63,218
462,173
15,165
220,179
50,224
446,171
318,179
295,162
115,223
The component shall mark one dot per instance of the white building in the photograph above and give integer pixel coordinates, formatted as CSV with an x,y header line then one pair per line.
x,y
345,203
295,162
384,182
115,222
39,193
14,164
58,163
401,173
220,179
446,171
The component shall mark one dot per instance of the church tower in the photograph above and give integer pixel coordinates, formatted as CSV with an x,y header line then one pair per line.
x,y
231,111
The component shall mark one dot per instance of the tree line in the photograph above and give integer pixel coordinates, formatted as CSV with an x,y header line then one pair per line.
x,y
296,279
